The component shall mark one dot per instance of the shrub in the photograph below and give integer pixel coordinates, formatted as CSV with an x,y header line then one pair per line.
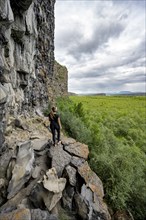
x,y
117,142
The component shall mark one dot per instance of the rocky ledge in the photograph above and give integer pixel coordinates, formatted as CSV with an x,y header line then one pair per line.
x,y
39,181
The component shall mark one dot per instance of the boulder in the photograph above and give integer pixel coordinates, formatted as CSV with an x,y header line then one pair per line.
x,y
14,202
37,196
99,208
67,141
19,124
52,183
38,214
91,179
82,207
96,207
78,149
36,172
60,158
71,173
16,215
76,161
22,169
42,161
67,197
52,200
39,144
48,193
43,198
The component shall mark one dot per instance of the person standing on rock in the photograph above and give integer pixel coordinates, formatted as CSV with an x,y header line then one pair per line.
x,y
55,125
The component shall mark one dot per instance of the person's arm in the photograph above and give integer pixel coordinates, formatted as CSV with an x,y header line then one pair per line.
x,y
49,117
59,122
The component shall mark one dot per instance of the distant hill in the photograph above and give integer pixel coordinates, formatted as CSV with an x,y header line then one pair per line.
x,y
92,94
129,93
72,94
121,93
125,92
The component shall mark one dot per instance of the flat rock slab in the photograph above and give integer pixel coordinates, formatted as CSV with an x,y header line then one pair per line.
x,y
36,135
67,141
19,214
36,172
39,144
60,158
71,172
76,161
22,169
78,149
91,179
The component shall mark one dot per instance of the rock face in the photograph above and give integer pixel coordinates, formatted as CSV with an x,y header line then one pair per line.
x,y
39,179
59,81
28,76
26,56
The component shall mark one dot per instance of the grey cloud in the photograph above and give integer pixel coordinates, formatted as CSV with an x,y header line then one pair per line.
x,y
133,78
115,83
134,55
68,38
110,84
93,72
134,58
111,81
116,70
100,36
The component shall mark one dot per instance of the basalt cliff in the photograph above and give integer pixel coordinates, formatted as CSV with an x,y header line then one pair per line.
x,y
38,181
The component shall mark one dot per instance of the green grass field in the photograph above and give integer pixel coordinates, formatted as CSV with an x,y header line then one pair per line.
x,y
115,130
125,116
115,106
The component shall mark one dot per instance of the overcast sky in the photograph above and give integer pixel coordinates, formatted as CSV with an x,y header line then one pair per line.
x,y
102,44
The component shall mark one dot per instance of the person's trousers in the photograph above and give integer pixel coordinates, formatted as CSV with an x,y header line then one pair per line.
x,y
55,127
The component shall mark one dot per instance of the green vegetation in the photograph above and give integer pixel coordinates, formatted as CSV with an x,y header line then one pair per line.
x,y
114,129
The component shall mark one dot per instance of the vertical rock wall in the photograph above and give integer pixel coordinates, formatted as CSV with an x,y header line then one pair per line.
x,y
26,55
58,82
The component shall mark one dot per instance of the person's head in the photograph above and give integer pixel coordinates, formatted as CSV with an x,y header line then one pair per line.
x,y
54,109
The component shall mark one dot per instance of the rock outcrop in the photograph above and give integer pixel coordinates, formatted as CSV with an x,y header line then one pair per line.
x,y
38,179
58,82
28,77
27,53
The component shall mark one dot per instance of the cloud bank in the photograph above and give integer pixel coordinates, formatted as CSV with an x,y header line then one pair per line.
x,y
102,43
